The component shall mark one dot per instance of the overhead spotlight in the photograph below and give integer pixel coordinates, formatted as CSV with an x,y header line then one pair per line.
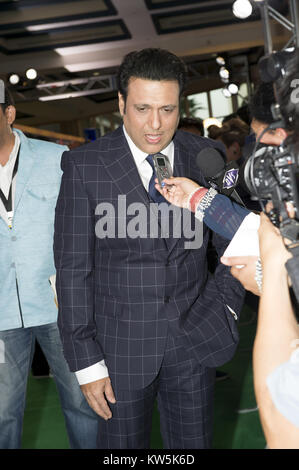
x,y
233,88
220,60
226,92
31,74
242,9
14,79
224,73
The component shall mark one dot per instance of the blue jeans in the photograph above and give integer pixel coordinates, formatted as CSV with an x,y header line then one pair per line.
x,y
18,344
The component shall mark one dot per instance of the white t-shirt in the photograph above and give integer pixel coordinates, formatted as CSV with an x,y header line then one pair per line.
x,y
283,384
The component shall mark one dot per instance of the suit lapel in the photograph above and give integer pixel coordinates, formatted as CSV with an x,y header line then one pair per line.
x,y
123,172
26,160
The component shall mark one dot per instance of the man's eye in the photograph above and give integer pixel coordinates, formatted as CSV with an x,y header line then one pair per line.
x,y
168,110
141,108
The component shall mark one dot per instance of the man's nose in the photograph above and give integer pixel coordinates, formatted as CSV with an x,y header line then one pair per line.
x,y
155,120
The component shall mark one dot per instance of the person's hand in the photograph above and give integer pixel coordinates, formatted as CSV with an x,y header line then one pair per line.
x,y
272,249
245,273
97,393
177,190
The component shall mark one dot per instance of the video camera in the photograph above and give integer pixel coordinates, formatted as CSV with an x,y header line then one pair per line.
x,y
272,173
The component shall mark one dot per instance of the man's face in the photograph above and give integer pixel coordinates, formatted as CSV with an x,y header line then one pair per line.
x,y
151,113
272,137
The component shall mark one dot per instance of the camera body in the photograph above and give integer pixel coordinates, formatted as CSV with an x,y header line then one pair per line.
x,y
272,173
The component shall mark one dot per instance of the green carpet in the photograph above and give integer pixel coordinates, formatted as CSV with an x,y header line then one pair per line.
x,y
44,425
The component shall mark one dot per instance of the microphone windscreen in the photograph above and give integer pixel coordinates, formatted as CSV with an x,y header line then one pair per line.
x,y
210,162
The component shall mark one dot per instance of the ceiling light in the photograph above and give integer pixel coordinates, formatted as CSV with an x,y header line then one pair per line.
x,y
233,88
220,60
31,74
61,24
224,73
226,92
242,9
14,79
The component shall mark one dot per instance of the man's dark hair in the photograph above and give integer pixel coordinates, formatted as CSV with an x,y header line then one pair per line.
x,y
260,104
150,64
8,100
191,122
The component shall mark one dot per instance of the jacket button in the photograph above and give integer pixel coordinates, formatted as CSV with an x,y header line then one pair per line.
x,y
13,239
166,299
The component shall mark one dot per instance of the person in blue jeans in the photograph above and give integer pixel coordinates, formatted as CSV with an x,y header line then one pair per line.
x,y
29,184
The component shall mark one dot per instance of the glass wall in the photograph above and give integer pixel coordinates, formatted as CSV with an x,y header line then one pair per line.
x,y
214,104
198,105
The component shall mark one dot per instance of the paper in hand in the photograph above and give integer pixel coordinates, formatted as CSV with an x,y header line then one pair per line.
x,y
245,241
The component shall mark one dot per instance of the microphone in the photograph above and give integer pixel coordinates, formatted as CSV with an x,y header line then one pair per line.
x,y
220,176
224,216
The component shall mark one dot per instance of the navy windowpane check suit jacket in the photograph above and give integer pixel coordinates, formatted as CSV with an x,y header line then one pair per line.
x,y
119,297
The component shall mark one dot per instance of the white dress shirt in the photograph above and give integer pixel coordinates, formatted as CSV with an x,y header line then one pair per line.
x,y
99,370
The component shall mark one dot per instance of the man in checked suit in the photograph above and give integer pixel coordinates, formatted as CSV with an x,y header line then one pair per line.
x,y
140,318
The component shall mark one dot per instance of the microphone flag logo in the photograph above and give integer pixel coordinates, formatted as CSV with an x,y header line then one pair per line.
x,y
230,178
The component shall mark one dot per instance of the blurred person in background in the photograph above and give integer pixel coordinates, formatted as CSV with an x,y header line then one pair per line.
x,y
191,124
233,134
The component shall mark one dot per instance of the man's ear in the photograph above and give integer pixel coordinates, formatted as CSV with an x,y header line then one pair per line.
x,y
10,114
281,133
121,104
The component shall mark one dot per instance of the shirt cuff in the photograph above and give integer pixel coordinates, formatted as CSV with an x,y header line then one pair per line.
x,y
92,373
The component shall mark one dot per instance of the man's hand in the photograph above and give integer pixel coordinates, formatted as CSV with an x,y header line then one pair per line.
x,y
177,190
97,393
244,274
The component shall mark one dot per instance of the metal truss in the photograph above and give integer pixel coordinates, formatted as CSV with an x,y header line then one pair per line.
x,y
268,12
76,87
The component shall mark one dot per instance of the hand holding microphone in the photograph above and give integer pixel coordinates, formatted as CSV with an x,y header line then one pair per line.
x,y
222,177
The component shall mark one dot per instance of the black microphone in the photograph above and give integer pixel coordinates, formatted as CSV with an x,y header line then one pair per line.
x,y
220,175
